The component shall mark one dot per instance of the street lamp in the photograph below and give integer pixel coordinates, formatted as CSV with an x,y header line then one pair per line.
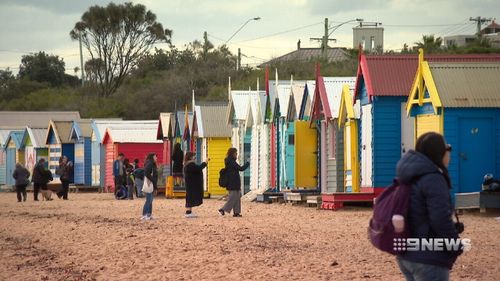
x,y
333,28
249,20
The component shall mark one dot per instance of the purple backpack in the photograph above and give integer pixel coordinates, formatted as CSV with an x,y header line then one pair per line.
x,y
394,200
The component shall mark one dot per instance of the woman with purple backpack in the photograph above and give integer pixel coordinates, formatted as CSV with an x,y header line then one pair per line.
x,y
430,212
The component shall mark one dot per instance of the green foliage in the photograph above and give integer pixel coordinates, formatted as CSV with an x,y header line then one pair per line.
x,y
117,37
42,67
430,44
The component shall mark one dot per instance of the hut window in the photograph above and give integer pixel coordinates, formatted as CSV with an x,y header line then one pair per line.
x,y
291,139
333,140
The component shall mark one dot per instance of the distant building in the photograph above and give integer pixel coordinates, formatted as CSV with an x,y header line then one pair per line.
x,y
310,54
491,32
458,40
370,38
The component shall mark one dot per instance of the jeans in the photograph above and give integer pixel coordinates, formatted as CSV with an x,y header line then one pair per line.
x,y
148,205
138,184
130,188
233,202
118,183
414,271
21,190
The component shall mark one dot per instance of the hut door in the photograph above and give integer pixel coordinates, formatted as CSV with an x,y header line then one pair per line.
x,y
79,170
476,154
290,156
407,130
306,158
11,165
366,146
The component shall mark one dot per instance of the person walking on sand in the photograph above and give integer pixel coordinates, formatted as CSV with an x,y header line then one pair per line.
x,y
178,159
233,170
64,172
118,172
151,173
430,212
21,175
41,177
193,179
129,179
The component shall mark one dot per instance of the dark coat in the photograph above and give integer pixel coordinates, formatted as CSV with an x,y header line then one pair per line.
x,y
41,175
233,170
193,177
430,211
21,175
178,159
151,172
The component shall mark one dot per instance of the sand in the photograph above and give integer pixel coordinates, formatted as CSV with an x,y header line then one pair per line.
x,y
94,237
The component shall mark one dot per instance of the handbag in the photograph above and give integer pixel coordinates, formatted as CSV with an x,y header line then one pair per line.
x,y
148,186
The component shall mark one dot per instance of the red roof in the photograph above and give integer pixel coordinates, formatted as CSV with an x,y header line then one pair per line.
x,y
392,75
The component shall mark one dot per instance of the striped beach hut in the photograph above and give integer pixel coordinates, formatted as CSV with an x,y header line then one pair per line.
x,y
460,100
165,133
4,134
135,139
59,144
182,134
382,86
19,120
33,144
81,136
254,123
237,112
13,154
325,111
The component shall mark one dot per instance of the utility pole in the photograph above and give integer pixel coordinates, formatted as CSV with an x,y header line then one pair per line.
x,y
81,57
205,45
479,21
238,64
324,40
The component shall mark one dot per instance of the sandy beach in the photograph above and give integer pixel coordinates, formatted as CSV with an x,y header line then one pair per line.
x,y
94,237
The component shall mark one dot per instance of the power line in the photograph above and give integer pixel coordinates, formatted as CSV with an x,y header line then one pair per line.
x,y
282,32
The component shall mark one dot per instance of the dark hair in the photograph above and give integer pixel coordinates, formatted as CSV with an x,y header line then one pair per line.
x,y
121,154
177,147
231,152
150,157
188,156
126,161
434,147
136,160
41,160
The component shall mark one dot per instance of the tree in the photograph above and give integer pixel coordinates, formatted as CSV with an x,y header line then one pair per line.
x,y
6,77
430,44
42,67
117,37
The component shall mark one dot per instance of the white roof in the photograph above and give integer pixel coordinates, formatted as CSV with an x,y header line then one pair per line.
x,y
199,119
4,134
37,137
240,100
283,92
135,133
256,109
102,125
333,86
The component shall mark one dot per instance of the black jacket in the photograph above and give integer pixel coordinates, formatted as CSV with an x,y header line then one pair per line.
x,y
151,172
178,159
193,177
233,170
41,175
430,211
21,175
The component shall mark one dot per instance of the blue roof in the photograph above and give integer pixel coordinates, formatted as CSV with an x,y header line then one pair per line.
x,y
17,137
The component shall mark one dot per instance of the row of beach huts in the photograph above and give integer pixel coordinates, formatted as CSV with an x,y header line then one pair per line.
x,y
337,138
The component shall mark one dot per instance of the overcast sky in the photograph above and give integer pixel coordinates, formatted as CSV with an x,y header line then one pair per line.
x,y
44,25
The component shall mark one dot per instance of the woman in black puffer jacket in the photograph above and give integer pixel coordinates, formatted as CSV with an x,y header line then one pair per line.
x,y
233,170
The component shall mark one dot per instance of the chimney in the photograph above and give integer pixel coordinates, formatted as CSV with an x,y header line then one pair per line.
x,y
298,45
